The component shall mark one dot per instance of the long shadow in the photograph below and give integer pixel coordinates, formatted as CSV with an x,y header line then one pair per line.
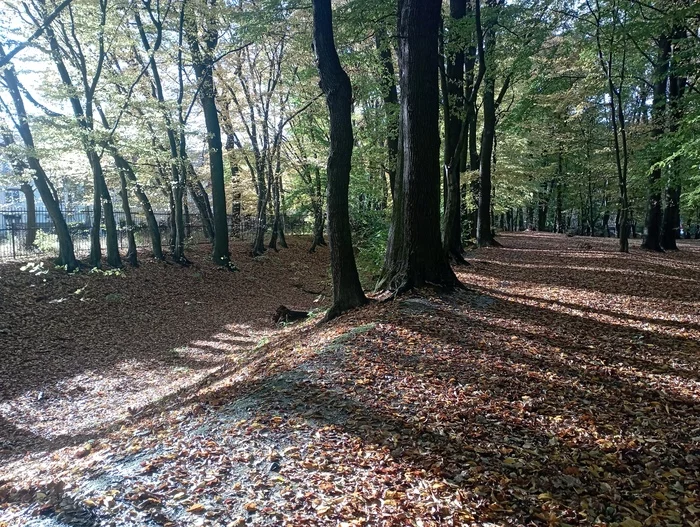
x,y
607,344
617,284
594,311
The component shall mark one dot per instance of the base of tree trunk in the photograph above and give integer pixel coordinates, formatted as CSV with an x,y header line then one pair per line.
x,y
653,247
489,242
457,258
338,309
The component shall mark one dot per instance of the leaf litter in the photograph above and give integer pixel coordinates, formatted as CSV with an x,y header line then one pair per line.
x,y
561,389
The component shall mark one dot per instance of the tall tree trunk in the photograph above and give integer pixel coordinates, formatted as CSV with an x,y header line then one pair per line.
x,y
419,259
19,166
201,199
235,185
335,84
454,107
127,171
484,235
203,64
676,89
652,234
391,105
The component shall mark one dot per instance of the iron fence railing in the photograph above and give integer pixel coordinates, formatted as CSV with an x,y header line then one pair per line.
x,y
15,233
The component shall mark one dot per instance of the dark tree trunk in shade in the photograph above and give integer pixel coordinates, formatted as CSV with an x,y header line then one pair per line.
x,y
391,104
419,259
126,170
131,253
484,235
676,88
188,221
19,167
335,84
454,107
235,185
652,236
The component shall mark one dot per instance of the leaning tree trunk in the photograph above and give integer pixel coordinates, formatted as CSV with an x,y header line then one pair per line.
x,y
201,199
652,236
335,84
127,171
48,197
419,258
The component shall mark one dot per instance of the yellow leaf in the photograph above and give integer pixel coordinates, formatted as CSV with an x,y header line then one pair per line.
x,y
197,507
251,506
629,522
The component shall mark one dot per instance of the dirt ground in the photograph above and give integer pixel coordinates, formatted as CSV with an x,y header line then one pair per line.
x,y
561,388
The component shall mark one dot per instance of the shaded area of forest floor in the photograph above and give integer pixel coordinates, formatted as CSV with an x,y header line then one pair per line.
x,y
563,388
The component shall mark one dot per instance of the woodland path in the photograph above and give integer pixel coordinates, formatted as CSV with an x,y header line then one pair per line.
x,y
562,389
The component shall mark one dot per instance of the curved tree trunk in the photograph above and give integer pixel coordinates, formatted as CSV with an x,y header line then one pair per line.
x,y
335,84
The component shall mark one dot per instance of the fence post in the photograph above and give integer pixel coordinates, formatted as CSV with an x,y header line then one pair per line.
x,y
12,233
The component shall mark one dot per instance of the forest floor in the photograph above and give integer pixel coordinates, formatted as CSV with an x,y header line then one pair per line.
x,y
563,388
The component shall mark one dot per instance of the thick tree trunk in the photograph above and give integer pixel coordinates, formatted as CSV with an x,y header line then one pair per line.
x,y
652,236
419,260
335,84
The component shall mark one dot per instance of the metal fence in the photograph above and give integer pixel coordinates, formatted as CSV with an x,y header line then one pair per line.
x,y
14,231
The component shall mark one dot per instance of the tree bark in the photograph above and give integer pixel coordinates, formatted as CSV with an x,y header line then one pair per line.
x,y
203,64
454,107
417,258
335,84
652,236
